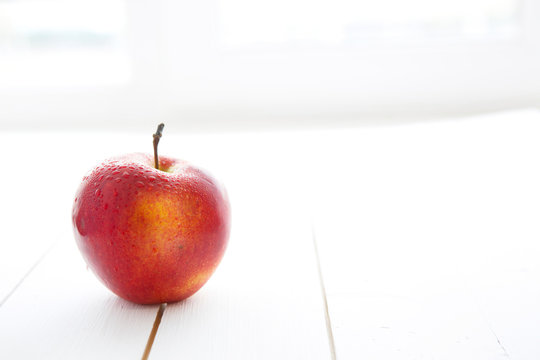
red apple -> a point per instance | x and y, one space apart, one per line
152 236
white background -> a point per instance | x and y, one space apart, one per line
215 65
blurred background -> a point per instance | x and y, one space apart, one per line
215 65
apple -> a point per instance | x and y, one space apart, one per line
153 229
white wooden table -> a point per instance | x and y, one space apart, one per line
418 241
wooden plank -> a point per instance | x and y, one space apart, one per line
412 224
421 327
61 311
264 302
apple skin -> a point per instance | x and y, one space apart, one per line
151 236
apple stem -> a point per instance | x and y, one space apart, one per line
157 136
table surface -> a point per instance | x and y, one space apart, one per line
417 241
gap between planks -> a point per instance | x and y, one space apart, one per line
153 333
328 322
25 276
323 293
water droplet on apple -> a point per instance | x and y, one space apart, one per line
139 184
152 178
116 172
109 177
98 192
125 174
117 180
81 226
100 178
